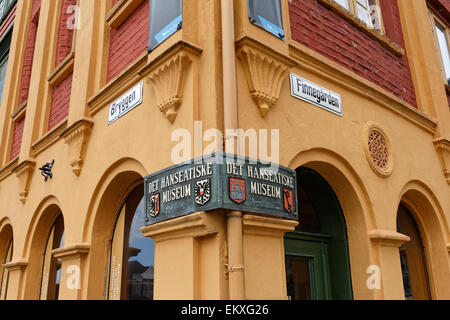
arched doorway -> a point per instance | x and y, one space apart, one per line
413 258
316 253
131 258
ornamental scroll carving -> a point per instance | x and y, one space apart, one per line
24 173
442 146
168 83
77 137
265 72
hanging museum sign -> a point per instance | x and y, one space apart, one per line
315 94
221 181
127 102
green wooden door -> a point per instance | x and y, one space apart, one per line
307 272
317 259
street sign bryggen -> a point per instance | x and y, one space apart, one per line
221 181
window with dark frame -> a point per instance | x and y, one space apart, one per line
4 54
165 19
131 256
267 14
51 266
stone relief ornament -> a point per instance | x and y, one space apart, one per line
378 149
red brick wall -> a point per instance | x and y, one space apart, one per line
65 35
60 102
333 36
128 41
29 52
17 138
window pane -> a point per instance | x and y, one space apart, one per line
343 3
298 278
3 67
141 258
443 46
267 14
132 254
364 15
412 255
165 20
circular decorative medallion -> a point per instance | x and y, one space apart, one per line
378 149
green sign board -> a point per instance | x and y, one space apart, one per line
221 181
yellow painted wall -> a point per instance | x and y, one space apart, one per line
191 253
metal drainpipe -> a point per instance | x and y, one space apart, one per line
234 218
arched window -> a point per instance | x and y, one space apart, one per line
4 272
412 258
51 266
132 255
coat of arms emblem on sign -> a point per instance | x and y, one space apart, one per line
154 205
202 192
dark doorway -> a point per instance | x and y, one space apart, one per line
317 259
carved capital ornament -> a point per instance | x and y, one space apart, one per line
265 71
168 81
76 137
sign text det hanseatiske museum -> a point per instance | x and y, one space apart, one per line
221 181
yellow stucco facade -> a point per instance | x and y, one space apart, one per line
97 165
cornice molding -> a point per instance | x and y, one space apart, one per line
71 252
388 238
121 11
194 225
7 170
265 70
76 136
20 111
64 69
261 225
48 139
15 265
117 86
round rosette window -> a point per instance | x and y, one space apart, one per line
378 149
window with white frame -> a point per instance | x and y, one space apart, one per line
442 40
367 11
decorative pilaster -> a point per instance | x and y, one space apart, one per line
265 234
72 270
24 172
265 71
387 243
168 83
16 272
180 243
76 137
443 149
